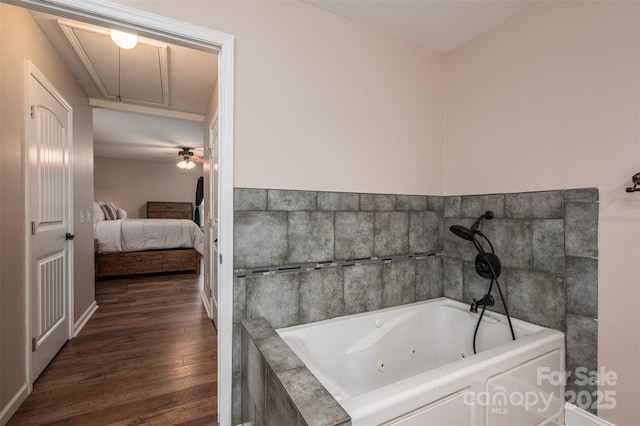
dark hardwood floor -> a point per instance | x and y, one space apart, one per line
147 356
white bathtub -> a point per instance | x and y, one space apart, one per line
414 365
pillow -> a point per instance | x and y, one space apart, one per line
98 214
122 214
110 211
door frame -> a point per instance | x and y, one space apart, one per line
33 72
160 27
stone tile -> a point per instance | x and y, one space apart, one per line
454 246
474 206
321 295
453 278
548 245
398 283
391 233
278 354
275 298
435 203
258 328
236 347
584 195
411 202
377 202
582 286
534 205
362 288
424 232
310 237
582 344
512 240
249 199
316 405
248 406
338 201
236 396
259 239
239 299
279 408
453 206
255 374
429 278
475 287
537 298
292 200
354 235
581 229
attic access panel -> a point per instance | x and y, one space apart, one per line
136 75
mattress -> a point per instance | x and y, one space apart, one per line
126 235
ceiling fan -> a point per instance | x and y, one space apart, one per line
188 159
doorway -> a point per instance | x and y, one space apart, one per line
162 28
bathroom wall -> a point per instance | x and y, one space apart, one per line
550 99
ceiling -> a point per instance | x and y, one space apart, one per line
440 25
149 100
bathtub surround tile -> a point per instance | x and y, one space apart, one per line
354 235
255 372
362 288
453 278
429 278
258 328
585 195
278 354
534 205
275 298
311 237
321 296
236 347
582 286
279 408
249 199
581 340
452 207
512 241
236 403
377 202
398 283
581 229
292 200
548 246
424 232
537 297
260 238
435 203
316 405
338 201
239 299
391 233
474 206
411 202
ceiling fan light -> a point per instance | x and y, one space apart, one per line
123 40
186 164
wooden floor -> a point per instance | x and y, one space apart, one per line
147 356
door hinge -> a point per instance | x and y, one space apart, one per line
33 344
33 228
33 111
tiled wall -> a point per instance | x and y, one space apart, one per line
547 242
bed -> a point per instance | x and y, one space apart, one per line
167 241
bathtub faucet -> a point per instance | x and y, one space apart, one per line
486 300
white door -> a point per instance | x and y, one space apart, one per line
213 220
48 186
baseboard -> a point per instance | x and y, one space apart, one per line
84 318
205 302
576 416
13 405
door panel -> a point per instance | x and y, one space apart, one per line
49 148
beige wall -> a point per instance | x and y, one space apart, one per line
323 103
131 183
550 100
22 40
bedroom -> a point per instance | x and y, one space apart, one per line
174 185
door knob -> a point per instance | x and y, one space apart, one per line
69 236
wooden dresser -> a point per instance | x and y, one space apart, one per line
169 210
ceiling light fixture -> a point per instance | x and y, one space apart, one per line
186 163
123 40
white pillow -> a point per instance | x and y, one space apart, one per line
98 214
122 214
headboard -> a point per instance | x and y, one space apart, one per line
169 210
